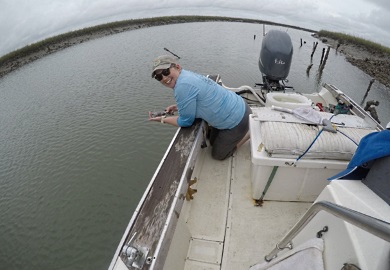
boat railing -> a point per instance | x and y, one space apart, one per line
370 224
356 108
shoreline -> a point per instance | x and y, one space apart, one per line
375 64
50 48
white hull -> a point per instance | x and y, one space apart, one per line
221 228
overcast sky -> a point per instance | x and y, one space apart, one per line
25 21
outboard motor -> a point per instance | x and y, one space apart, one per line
275 59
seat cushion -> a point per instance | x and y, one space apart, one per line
291 140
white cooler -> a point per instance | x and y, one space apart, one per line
301 180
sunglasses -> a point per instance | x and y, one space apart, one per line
164 72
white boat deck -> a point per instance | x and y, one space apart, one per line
221 228
222 217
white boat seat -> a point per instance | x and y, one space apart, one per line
290 140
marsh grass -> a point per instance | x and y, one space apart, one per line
116 27
61 41
349 39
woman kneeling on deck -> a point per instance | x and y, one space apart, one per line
197 96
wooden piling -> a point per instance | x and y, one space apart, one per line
325 58
373 113
371 103
368 90
314 49
322 56
369 85
308 69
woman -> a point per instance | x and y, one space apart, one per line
197 96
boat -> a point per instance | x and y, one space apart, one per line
271 205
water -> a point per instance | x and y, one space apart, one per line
77 151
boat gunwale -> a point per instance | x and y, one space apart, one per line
140 203
174 206
178 201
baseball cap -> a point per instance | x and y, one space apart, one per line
163 62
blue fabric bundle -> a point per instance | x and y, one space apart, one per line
372 146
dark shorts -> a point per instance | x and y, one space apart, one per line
224 141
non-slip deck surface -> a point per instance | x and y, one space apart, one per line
229 220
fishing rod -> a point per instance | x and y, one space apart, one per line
178 57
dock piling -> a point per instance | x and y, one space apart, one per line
314 49
368 90
322 65
322 56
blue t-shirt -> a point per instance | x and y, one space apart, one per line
199 97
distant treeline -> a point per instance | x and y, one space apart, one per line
348 39
120 26
114 26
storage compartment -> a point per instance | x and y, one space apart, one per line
293 181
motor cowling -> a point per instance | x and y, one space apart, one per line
276 55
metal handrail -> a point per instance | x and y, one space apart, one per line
370 224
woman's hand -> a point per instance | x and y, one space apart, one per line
157 118
171 109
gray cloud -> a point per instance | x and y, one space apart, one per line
380 3
23 21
